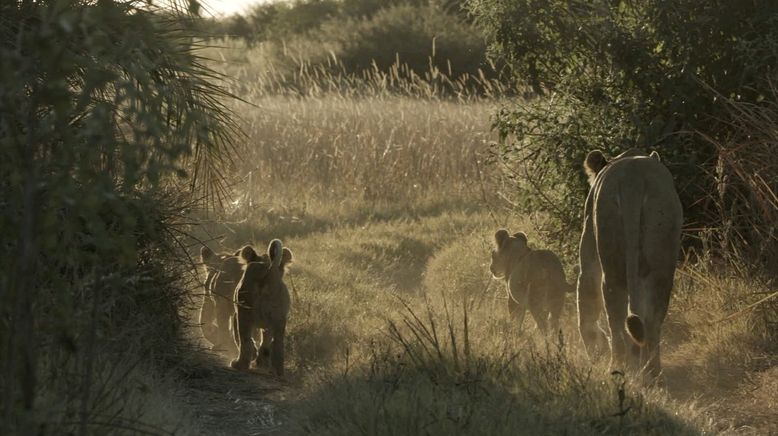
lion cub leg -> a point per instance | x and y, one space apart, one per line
555 303
516 311
245 339
263 356
224 312
277 346
537 307
207 316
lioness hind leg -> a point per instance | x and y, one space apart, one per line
590 304
589 293
616 309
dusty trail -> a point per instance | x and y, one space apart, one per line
748 407
229 402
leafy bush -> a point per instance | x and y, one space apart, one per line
745 174
618 74
104 110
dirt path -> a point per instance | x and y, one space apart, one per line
229 402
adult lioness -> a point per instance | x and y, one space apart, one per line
535 280
629 248
223 271
262 302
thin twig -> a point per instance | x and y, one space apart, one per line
745 309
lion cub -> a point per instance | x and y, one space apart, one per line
535 279
262 302
223 271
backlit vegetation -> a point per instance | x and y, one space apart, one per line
390 206
388 182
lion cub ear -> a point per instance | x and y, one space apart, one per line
520 238
248 255
654 155
206 254
500 237
521 235
287 256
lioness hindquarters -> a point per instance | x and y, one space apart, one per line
262 302
632 226
649 295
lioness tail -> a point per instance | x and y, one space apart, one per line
631 216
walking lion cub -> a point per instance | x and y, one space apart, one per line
535 280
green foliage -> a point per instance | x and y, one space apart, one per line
618 74
275 21
105 109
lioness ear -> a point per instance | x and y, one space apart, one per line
248 255
500 237
594 162
655 156
205 254
287 256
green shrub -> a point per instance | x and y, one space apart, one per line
618 74
104 109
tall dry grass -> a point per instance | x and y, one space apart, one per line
377 136
375 147
263 69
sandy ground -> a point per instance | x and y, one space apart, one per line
229 402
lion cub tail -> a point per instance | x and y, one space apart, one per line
276 252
